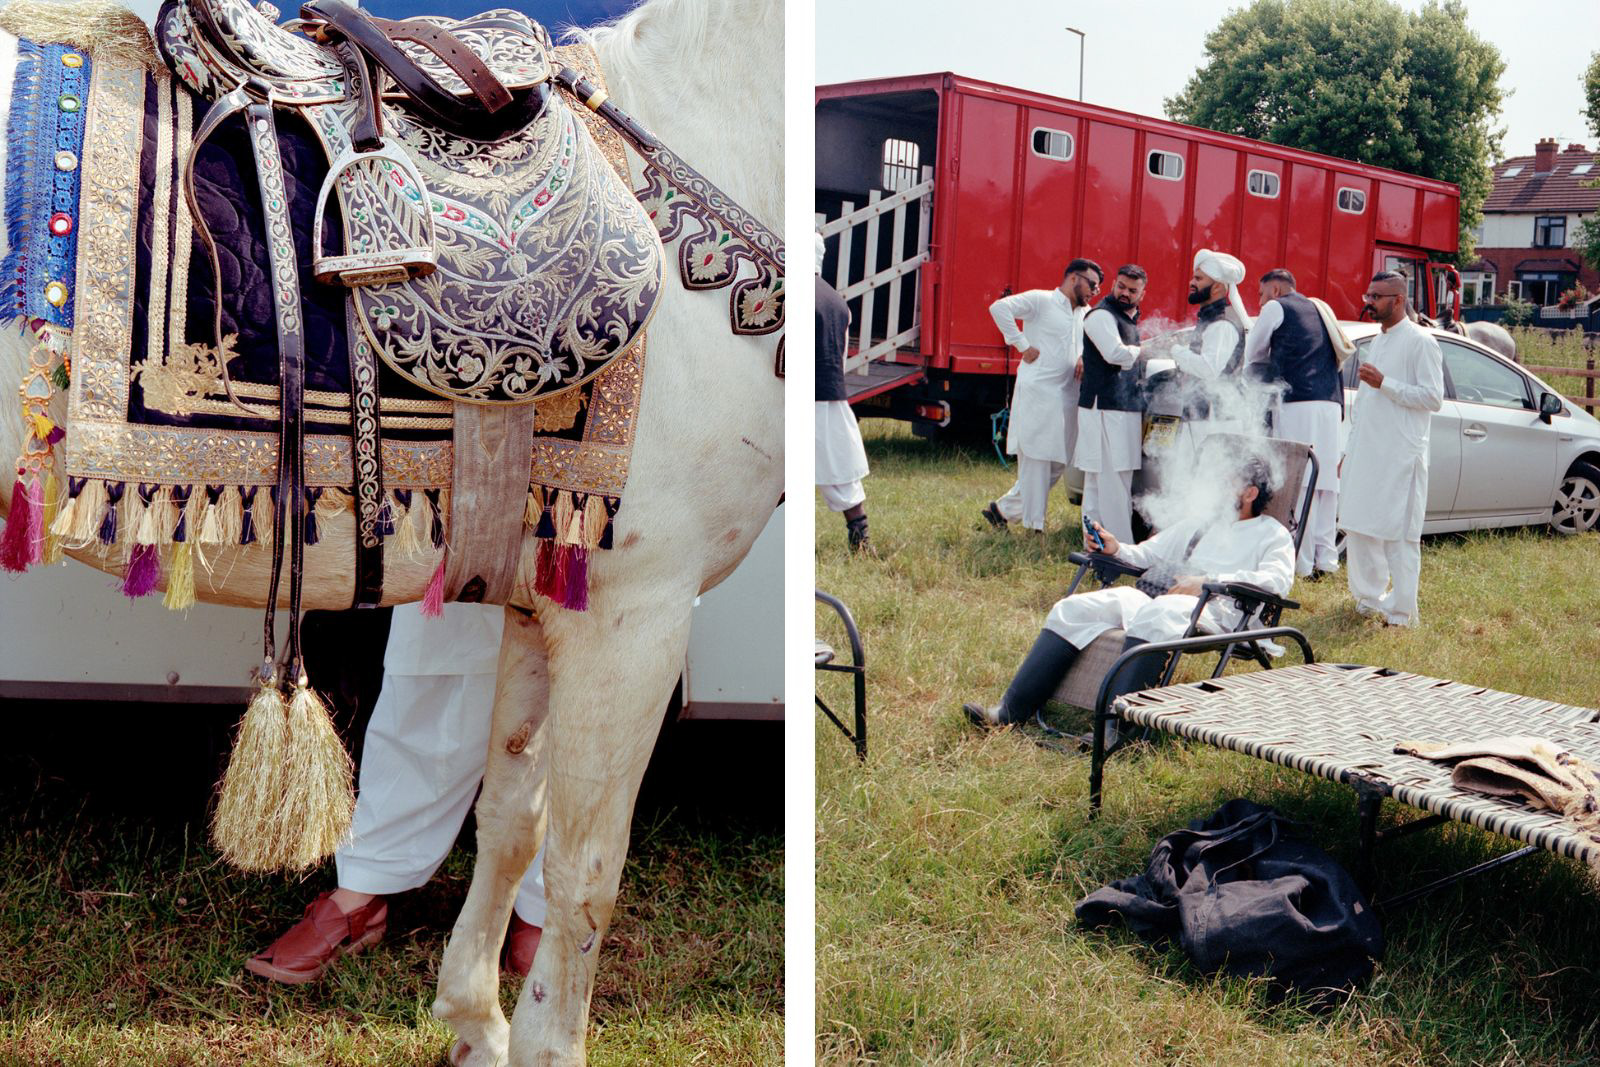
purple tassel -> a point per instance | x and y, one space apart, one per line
312 534
561 573
180 499
247 528
144 571
55 436
576 595
108 524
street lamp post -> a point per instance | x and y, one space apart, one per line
1081 36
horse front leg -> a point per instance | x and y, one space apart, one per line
511 818
611 677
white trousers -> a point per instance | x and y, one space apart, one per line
1079 619
1109 498
1026 499
843 497
424 756
1318 549
1372 565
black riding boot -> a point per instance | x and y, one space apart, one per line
1140 674
1046 663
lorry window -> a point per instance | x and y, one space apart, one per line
1168 165
1352 200
900 161
1052 144
1263 183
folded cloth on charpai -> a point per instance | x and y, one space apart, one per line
1531 769
1244 894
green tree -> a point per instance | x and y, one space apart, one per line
1359 79
1591 94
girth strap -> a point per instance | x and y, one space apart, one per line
493 452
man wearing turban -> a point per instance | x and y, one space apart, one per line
1214 400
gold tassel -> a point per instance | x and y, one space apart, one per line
152 522
91 508
191 512
52 508
534 507
133 512
180 578
563 516
249 824
104 29
210 532
261 515
231 518
405 530
333 502
320 795
594 521
66 516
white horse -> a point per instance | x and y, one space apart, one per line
580 695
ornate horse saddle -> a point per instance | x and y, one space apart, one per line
494 262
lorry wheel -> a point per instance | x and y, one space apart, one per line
1577 505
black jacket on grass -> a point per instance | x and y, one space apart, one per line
1243 894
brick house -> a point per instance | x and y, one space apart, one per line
1529 222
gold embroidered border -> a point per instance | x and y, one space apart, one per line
160 231
108 214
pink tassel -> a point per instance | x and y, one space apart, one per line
15 551
433 599
35 523
144 570
561 573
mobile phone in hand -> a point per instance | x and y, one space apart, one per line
1091 535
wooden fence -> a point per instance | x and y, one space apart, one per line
1587 373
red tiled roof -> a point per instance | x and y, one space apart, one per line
1560 191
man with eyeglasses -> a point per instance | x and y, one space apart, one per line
1384 473
1043 428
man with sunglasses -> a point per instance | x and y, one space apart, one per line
1384 473
1043 428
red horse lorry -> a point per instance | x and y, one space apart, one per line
937 194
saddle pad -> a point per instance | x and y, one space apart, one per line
155 453
512 46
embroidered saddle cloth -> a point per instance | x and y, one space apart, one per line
106 268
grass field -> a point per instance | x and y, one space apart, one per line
122 937
948 865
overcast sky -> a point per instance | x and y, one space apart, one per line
1139 52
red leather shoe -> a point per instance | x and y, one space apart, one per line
521 945
317 941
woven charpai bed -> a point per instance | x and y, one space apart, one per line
1342 723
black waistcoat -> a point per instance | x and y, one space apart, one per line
833 327
1221 309
1302 357
1105 385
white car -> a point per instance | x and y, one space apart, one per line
1504 449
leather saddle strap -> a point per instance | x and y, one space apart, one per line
470 118
763 242
453 54
493 450
289 506
367 456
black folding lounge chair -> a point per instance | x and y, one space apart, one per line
857 667
1082 687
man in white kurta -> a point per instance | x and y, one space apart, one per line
423 758
1385 466
1110 418
1244 546
1216 400
1044 402
1289 346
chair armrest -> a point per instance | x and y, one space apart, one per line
1248 591
1104 562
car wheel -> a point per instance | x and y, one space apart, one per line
1577 506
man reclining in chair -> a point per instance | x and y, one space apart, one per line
1246 546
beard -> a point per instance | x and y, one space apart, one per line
1199 296
1127 307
